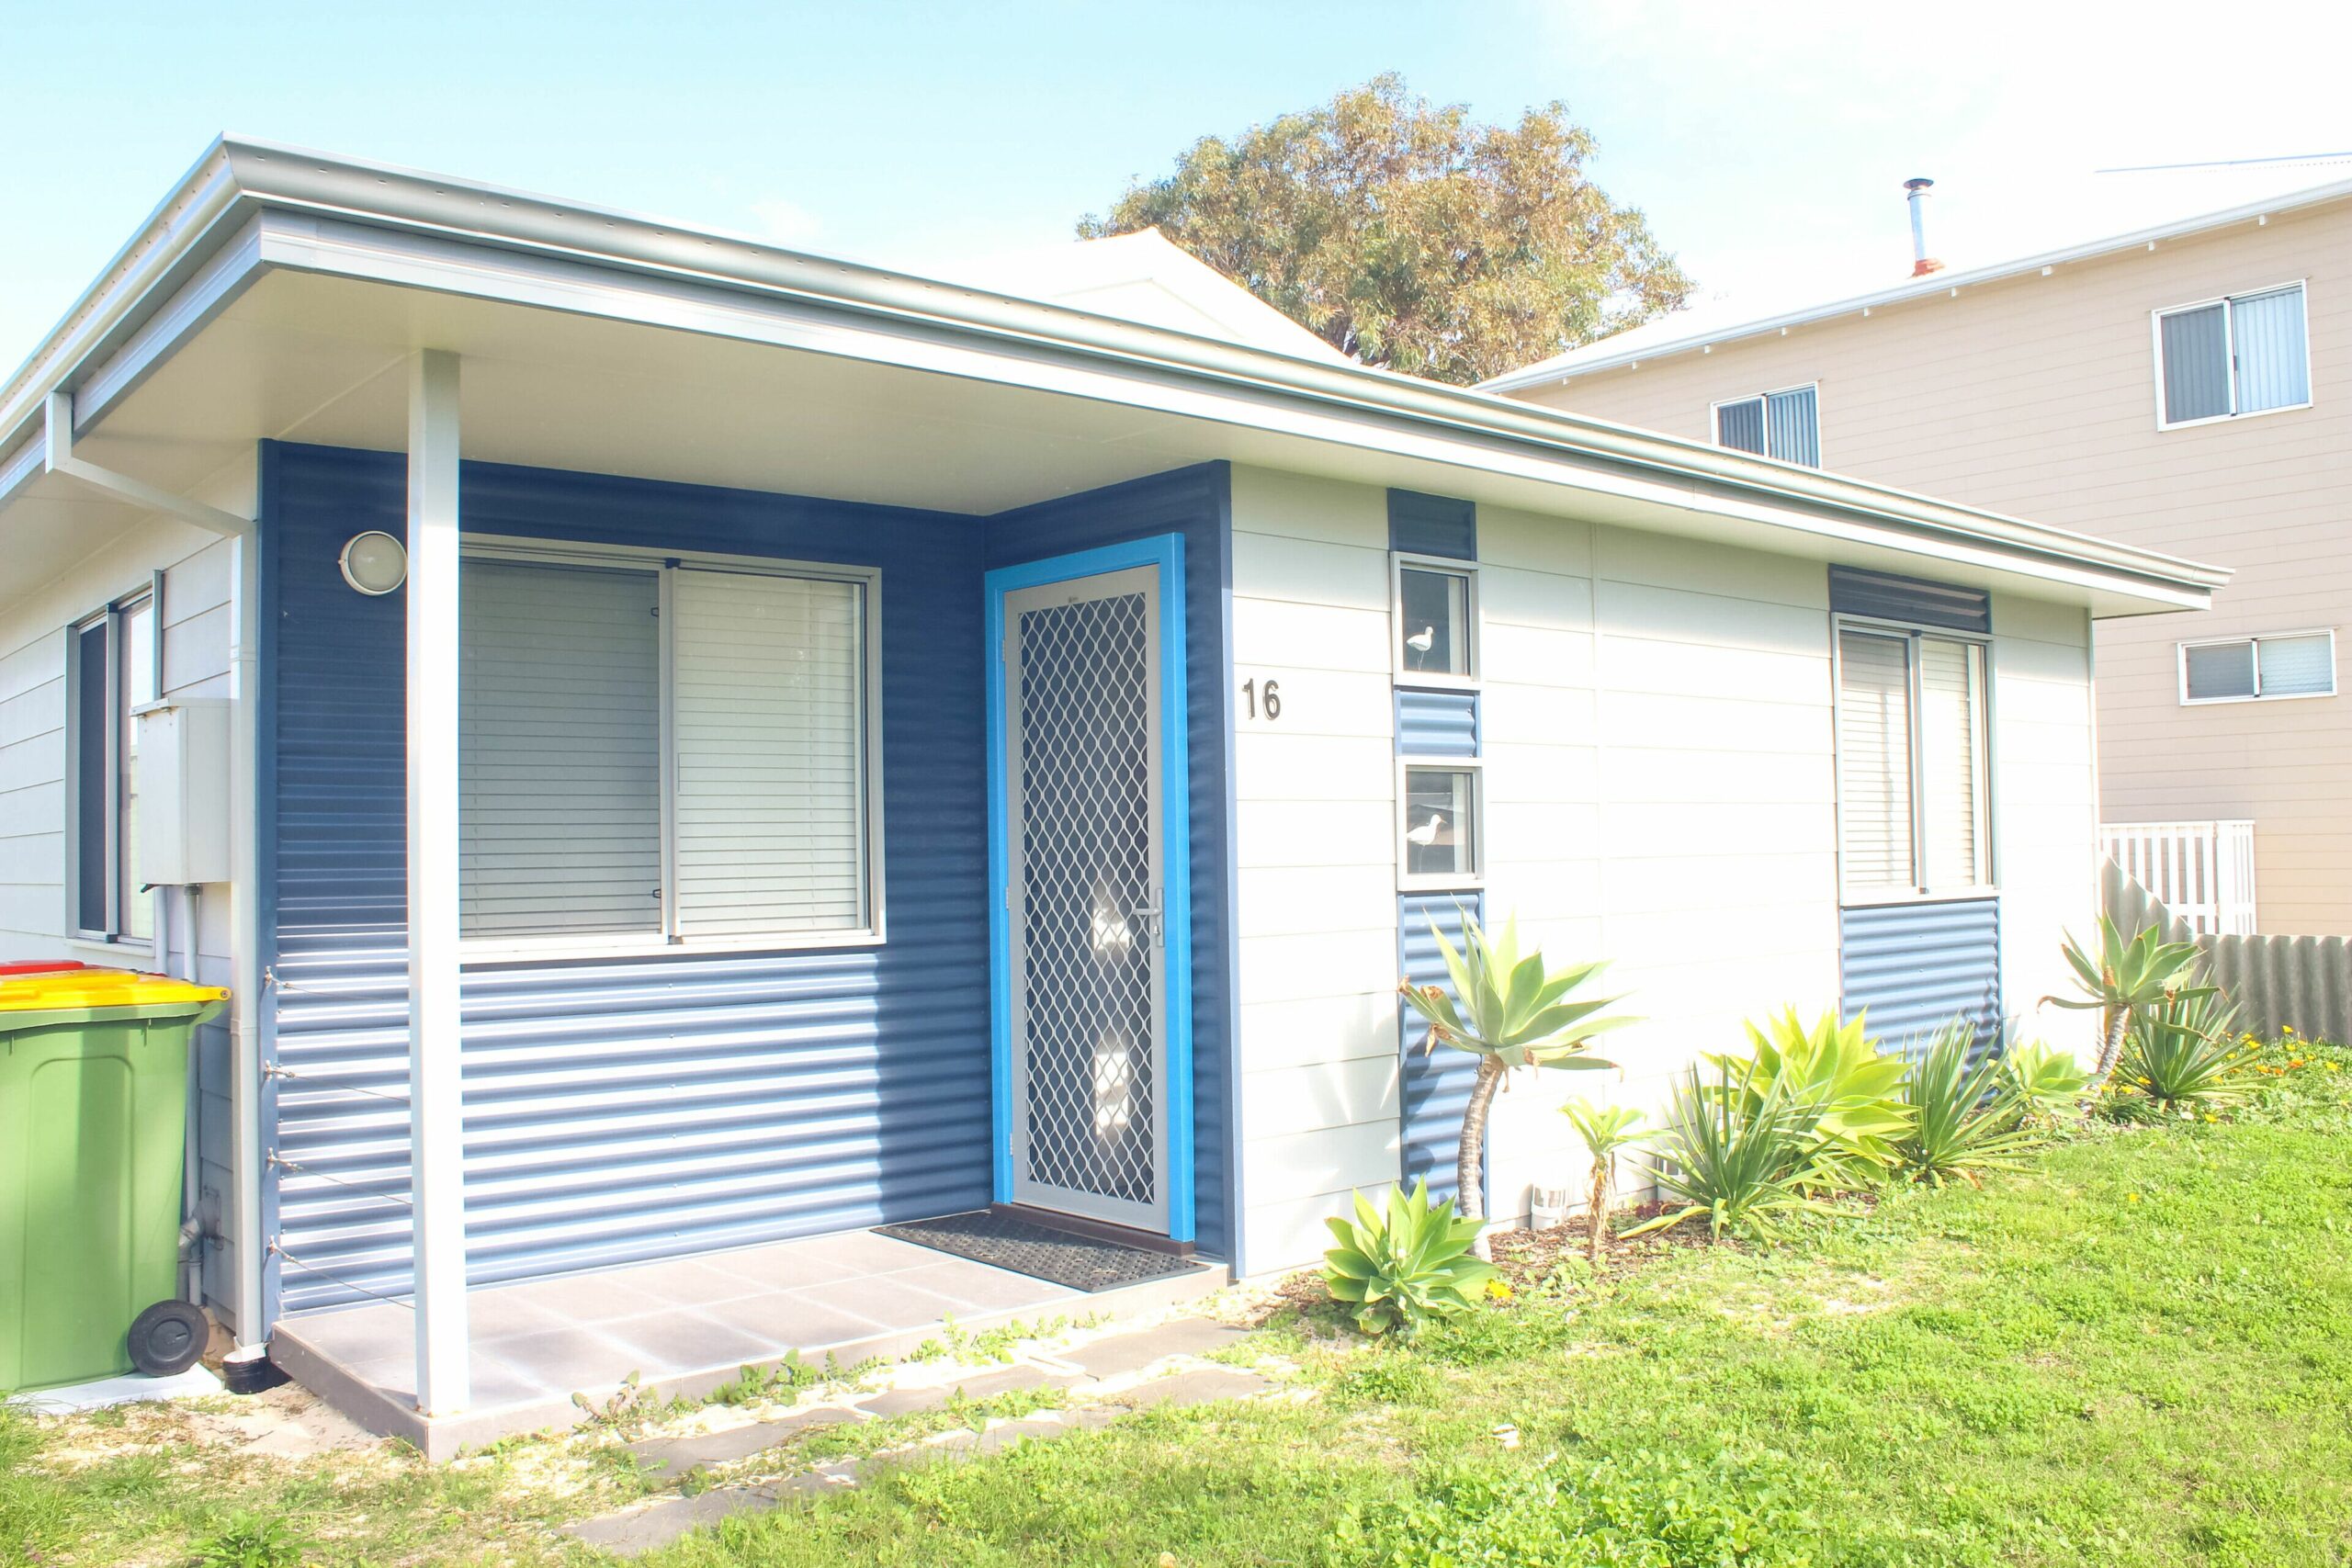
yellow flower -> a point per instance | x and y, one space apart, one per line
1499 1290
2131 1197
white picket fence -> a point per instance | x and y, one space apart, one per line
2204 872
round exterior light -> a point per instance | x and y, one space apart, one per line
375 563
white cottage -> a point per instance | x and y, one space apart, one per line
720 750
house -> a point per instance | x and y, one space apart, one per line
2184 386
712 750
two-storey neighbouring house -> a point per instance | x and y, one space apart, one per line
2186 388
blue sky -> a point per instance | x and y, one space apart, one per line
1768 151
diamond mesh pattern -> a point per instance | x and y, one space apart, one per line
1085 831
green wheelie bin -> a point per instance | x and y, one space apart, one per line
92 1119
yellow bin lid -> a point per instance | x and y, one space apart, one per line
68 989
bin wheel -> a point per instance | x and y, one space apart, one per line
166 1338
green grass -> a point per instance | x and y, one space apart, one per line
2137 1353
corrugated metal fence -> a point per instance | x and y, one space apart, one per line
2305 981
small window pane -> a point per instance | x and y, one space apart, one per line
1795 432
1441 822
1436 609
1952 697
1874 760
2296 666
138 681
2266 332
2196 363
93 784
1740 426
2220 670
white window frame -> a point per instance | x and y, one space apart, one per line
2230 341
1989 812
2255 641
112 936
874 930
1399 563
1425 882
1716 424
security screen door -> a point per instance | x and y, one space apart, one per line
1084 894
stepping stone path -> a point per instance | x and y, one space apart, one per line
1117 1357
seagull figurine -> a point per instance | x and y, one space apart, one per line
1426 834
1420 642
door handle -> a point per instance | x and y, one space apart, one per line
1151 916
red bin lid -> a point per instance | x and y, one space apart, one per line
41 966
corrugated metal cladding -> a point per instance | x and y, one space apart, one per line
621 1109
1197 504
1432 525
1914 967
1434 1086
1436 724
1856 591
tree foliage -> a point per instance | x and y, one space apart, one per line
1407 235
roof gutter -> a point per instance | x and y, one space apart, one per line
237 178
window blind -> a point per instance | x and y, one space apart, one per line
768 686
1794 428
1952 682
1740 426
2266 332
1874 760
2197 363
2297 666
559 740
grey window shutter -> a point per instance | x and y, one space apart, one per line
2196 363
1740 426
1794 427
559 741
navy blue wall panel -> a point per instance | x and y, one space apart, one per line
621 1109
1432 525
1197 504
1854 591
1917 966
1434 1086
1436 724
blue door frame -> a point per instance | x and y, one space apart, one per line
1165 551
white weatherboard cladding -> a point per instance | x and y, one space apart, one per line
771 794
199 628
2045 805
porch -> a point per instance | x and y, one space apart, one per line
684 1326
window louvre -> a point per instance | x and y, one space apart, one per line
560 751
1874 760
771 785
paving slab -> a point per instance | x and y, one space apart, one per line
663 1456
1132 1352
906 1401
642 1530
1195 1388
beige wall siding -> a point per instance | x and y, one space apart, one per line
2036 396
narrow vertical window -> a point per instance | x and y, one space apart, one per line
1435 638
1874 760
135 688
94 683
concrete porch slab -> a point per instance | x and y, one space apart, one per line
685 1326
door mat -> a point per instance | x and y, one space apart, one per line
1079 1263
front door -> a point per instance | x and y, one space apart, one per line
1085 864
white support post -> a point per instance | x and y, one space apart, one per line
436 1109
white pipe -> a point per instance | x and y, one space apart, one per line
244 940
191 1166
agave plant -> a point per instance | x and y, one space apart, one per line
1747 1164
1844 1095
1964 1122
2124 979
2184 1052
1401 1266
1508 1011
1606 1131
2040 1081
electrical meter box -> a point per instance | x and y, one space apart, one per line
183 792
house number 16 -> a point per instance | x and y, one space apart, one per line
1273 695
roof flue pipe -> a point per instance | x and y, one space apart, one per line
1922 263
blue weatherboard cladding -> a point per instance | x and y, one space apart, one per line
1887 597
1432 525
620 1108
1197 504
1434 1086
1436 724
1916 966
